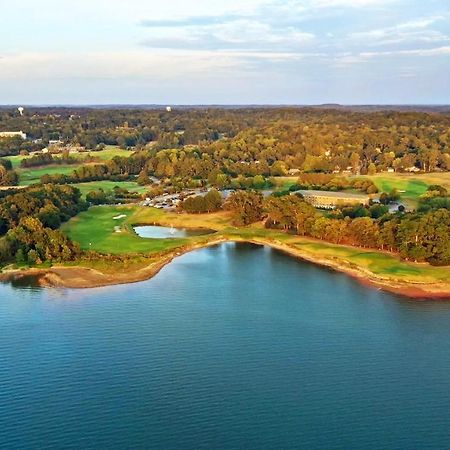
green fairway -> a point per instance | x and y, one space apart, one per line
33 175
410 189
16 160
109 152
410 186
383 264
284 183
95 229
108 186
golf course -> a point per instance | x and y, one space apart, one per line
109 230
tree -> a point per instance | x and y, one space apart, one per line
364 232
213 200
97 197
20 257
355 162
143 179
33 257
247 207
289 212
372 169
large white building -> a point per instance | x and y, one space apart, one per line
330 200
10 134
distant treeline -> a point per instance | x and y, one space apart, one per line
45 159
249 141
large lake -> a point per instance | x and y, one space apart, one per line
234 346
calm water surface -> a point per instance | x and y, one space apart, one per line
233 346
158 232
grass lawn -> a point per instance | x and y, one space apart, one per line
109 152
284 183
413 185
379 263
16 160
33 175
109 185
94 229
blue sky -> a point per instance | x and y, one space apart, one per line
225 51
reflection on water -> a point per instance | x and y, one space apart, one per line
25 282
158 232
234 346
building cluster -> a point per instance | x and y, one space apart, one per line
330 200
10 134
171 201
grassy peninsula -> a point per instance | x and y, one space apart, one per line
109 229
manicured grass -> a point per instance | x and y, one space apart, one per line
379 263
413 185
16 160
109 185
94 230
109 152
413 188
33 175
284 183
214 221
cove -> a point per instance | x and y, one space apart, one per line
232 346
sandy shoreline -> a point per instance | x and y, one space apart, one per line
82 277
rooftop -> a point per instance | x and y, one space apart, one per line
339 194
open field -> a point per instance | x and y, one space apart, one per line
109 185
284 183
413 185
16 160
109 152
33 174
94 229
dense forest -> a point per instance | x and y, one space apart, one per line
259 139
242 149
29 220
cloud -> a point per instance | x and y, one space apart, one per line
410 31
239 35
225 33
344 60
438 51
349 3
112 65
190 21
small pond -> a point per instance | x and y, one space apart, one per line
159 232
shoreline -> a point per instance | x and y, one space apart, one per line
79 277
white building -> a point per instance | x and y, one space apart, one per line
330 200
10 134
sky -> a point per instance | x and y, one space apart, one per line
224 52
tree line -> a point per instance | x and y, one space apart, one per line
419 236
29 220
248 141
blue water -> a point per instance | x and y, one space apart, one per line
159 232
233 346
